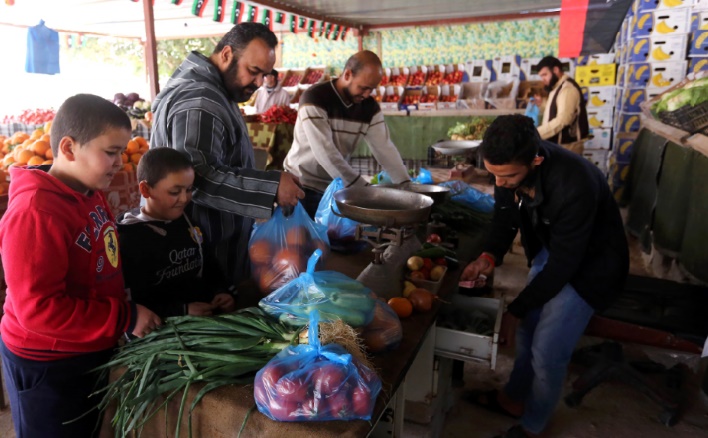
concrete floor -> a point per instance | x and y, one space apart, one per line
613 410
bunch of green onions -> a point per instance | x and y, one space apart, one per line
220 350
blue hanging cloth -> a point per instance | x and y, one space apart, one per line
42 50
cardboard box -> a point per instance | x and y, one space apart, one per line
638 50
600 118
597 59
436 73
600 97
313 75
624 142
472 95
525 92
529 69
638 75
398 76
454 74
507 68
596 75
697 63
668 48
665 74
699 21
419 74
123 193
642 24
621 75
619 102
619 172
392 91
601 138
650 5
629 122
700 5
449 91
378 93
632 98
699 44
598 157
417 93
661 22
502 94
479 71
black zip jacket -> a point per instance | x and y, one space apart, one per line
573 215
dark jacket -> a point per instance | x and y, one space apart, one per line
573 215
164 265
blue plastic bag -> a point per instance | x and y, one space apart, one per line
334 295
316 383
340 230
424 177
385 332
468 196
532 111
279 247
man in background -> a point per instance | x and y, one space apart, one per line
271 93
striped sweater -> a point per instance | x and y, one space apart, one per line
328 130
195 115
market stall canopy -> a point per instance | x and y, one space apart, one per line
124 18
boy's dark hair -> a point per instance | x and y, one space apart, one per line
550 62
157 163
84 117
243 33
510 139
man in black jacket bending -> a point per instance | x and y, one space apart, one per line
575 242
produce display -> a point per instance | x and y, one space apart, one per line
472 130
691 94
398 80
334 295
453 78
278 114
221 350
313 77
428 98
416 79
279 248
434 78
316 383
384 81
26 149
135 106
391 98
384 332
452 98
410 99
292 80
36 116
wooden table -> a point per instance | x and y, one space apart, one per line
221 413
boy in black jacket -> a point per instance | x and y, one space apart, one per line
575 242
163 258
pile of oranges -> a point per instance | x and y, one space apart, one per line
134 152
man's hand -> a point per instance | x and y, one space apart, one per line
200 309
289 190
472 272
224 302
145 322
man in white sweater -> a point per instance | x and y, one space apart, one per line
271 94
333 117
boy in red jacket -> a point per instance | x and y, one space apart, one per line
66 305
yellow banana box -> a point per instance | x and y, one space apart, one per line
619 172
621 75
596 75
600 117
624 142
638 50
661 22
668 48
699 44
650 5
599 97
600 138
699 21
638 74
698 63
631 98
666 74
629 122
596 59
598 157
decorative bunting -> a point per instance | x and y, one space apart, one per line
219 11
322 28
253 14
267 19
280 17
175 2
311 29
328 32
337 28
198 7
12 2
237 12
293 23
302 22
344 33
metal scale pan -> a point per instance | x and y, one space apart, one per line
383 206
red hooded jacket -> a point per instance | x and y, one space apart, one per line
65 290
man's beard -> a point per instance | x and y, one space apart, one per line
230 79
531 177
554 81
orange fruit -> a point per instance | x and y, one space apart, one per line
37 133
24 156
35 161
124 157
45 137
142 142
135 158
49 154
132 147
402 306
20 137
27 142
48 126
128 167
50 162
9 159
40 147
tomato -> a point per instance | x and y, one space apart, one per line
328 378
427 263
339 406
361 401
284 410
260 394
271 375
293 388
440 261
434 238
426 273
313 408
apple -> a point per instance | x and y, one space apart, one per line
417 275
415 263
434 238
437 273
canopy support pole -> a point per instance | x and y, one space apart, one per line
151 49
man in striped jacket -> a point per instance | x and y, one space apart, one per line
332 118
196 114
